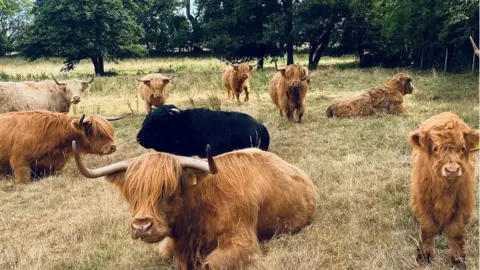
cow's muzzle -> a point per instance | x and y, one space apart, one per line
451 171
75 99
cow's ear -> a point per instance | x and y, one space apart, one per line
166 81
421 140
85 85
235 67
84 123
472 139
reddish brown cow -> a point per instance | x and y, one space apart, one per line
211 214
443 181
288 90
152 88
39 142
235 79
382 98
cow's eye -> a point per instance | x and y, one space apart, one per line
464 150
435 149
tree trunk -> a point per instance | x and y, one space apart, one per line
288 10
98 65
195 28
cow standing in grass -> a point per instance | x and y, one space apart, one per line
288 90
211 214
383 98
38 143
53 95
152 88
187 132
443 182
235 79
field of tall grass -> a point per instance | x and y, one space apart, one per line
361 169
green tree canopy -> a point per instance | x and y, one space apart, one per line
14 15
87 29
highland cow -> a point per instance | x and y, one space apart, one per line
38 143
187 132
152 88
288 90
443 182
386 98
235 79
53 95
211 214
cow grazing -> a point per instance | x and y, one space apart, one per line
443 181
235 79
288 90
386 97
187 132
211 213
39 142
53 95
152 88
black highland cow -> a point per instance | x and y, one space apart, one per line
187 132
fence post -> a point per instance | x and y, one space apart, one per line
446 59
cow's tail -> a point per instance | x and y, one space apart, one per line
330 111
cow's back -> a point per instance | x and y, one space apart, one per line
27 96
275 88
281 197
227 75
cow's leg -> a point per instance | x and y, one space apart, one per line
237 95
234 254
300 112
289 114
166 248
228 94
246 93
428 232
281 113
21 169
455 232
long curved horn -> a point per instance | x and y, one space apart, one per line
208 166
91 80
81 119
305 74
475 48
59 84
95 173
171 78
113 118
175 111
144 81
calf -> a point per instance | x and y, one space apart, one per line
152 88
443 182
235 79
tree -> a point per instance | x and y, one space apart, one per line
319 23
87 29
14 15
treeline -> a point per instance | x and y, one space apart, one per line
417 33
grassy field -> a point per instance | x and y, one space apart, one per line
360 167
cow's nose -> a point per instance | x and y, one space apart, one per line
453 169
141 225
156 95
113 148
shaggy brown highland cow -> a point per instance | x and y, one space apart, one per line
443 182
152 88
288 90
235 79
386 97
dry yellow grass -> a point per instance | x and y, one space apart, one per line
359 166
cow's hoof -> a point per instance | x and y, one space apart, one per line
423 257
459 263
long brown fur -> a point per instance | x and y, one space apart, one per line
217 221
235 79
43 95
382 98
154 92
441 203
39 142
285 95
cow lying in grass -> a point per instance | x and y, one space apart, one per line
386 98
443 182
211 213
187 132
38 143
